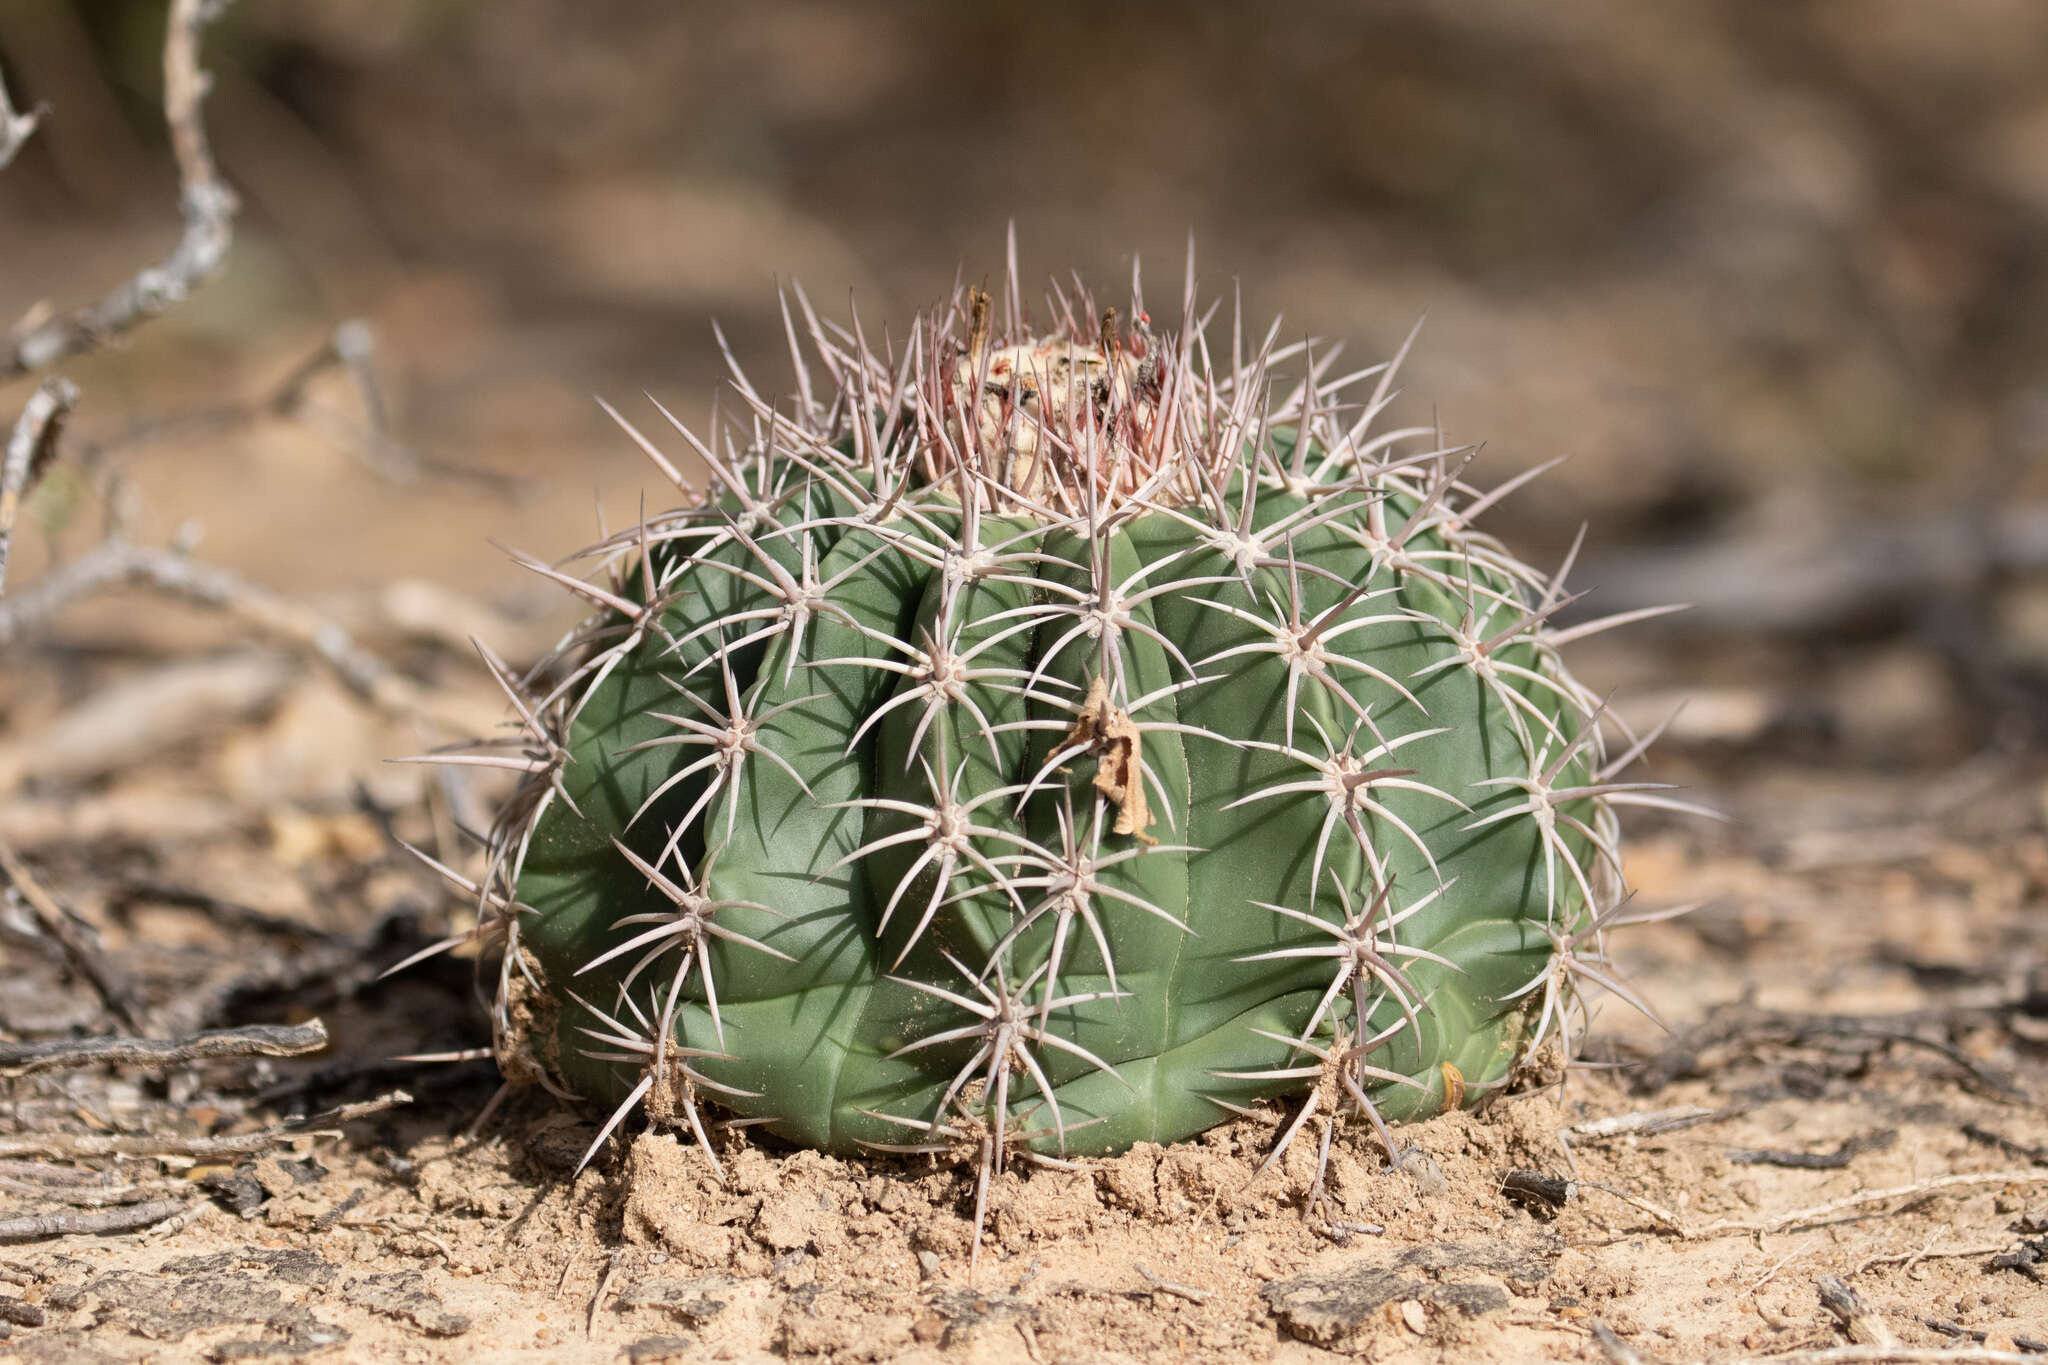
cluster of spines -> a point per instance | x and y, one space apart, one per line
886 456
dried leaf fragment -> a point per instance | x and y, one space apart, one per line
1112 736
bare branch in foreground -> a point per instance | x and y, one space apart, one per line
85 1196
207 203
118 562
30 450
254 1040
15 127
115 991
75 1145
133 1218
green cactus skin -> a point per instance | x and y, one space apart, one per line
1049 744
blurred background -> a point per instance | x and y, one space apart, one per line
1772 279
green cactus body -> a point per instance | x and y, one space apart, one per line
1044 746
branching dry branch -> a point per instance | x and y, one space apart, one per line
132 1218
206 202
369 437
29 452
15 126
1929 1252
254 1040
209 207
76 1145
353 346
117 562
115 990
110 1195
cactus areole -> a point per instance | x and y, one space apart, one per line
1036 738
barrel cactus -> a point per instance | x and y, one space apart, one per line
1038 739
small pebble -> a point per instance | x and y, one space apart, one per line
1421 1168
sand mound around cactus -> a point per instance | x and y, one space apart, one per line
1126 1254
1182 1252
878 1218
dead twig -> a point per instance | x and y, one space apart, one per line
1783 1261
324 1124
31 447
1892 1355
1690 1052
1962 1333
1538 1191
42 1227
1930 1252
1617 1351
1818 1212
1640 1123
113 986
122 1195
1669 1220
1180 1291
207 204
254 1040
604 1287
1862 1325
1833 1160
326 1221
2026 1259
1917 1190
178 1222
352 347
60 1176
2034 1152
118 562
1644 1123
15 126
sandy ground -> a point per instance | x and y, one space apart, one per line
1861 1007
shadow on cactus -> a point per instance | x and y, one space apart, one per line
1048 736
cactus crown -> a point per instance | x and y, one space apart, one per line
1036 741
